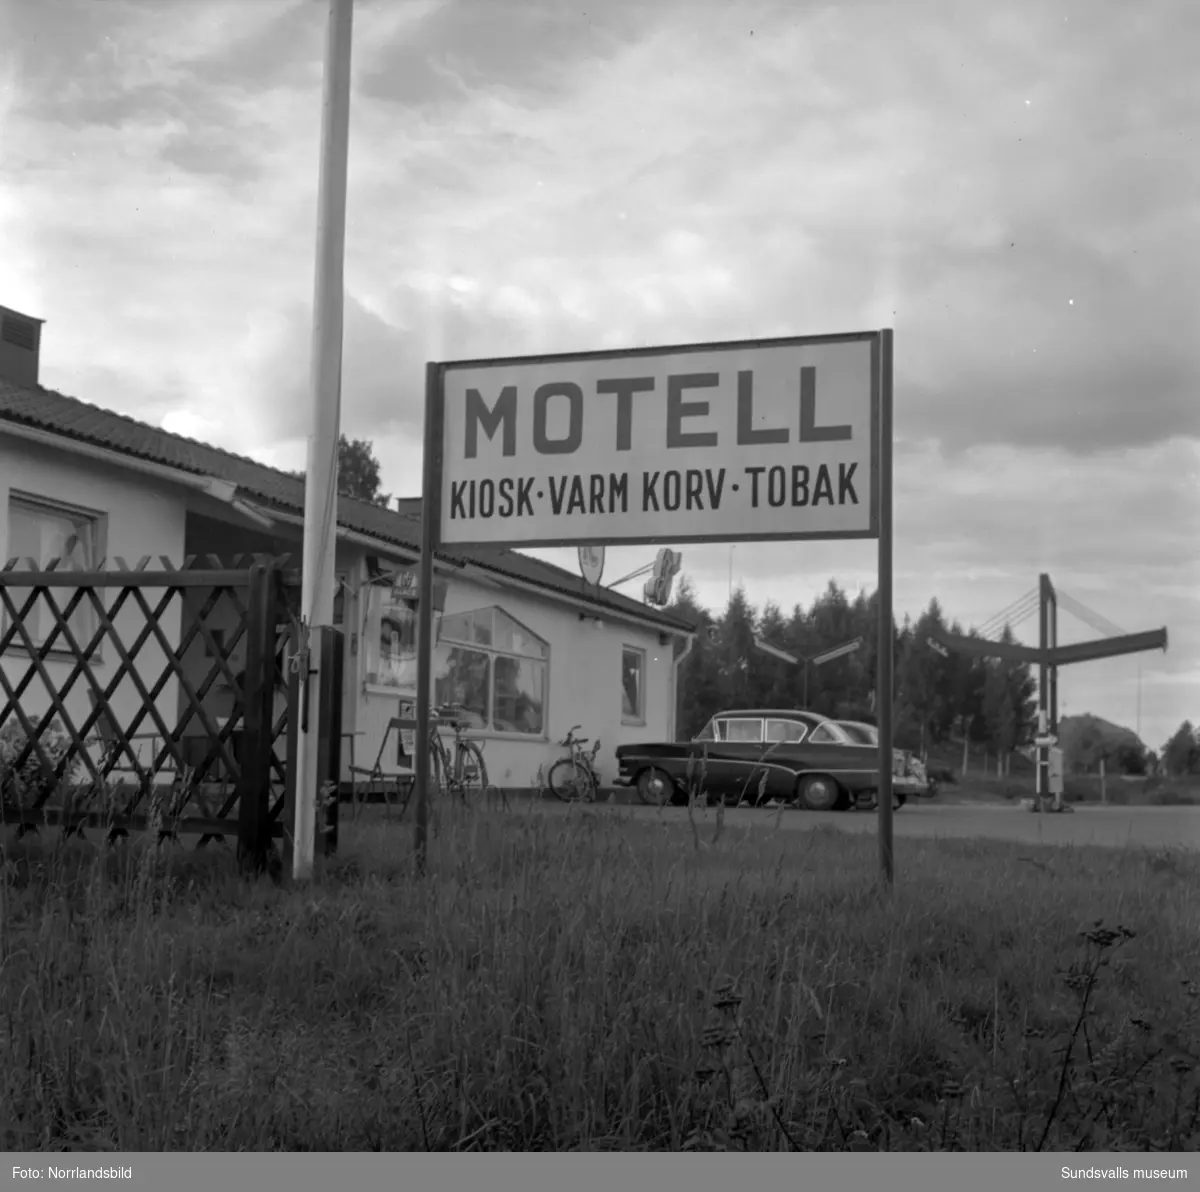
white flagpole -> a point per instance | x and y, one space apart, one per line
320 490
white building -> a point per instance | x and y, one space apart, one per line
527 646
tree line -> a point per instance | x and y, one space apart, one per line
1181 754
983 703
358 472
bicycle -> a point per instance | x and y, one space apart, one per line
577 780
464 772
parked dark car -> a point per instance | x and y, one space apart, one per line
759 756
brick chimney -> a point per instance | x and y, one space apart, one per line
20 344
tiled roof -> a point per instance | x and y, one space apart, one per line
56 413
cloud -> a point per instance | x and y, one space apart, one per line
380 374
457 49
384 355
1029 275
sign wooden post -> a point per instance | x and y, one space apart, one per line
887 642
431 468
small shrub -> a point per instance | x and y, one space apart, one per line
28 783
943 774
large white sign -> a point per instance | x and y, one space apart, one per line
724 442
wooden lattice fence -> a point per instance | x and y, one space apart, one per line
201 777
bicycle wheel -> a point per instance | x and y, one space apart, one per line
472 776
571 781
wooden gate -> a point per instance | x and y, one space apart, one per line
78 766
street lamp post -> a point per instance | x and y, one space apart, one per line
812 659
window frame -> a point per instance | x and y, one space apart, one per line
444 644
380 600
96 521
798 724
638 719
725 721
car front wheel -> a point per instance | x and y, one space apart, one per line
655 787
818 792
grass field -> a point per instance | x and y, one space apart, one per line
589 982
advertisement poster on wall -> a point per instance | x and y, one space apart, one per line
391 633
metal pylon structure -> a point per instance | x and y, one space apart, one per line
1048 655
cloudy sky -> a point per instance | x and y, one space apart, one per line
1015 189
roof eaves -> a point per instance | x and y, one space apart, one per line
361 517
613 601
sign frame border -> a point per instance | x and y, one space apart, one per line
435 417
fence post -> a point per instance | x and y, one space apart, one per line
295 693
254 782
329 733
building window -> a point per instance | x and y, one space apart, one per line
44 531
391 637
495 668
389 627
633 686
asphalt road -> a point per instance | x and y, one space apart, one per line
1114 827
